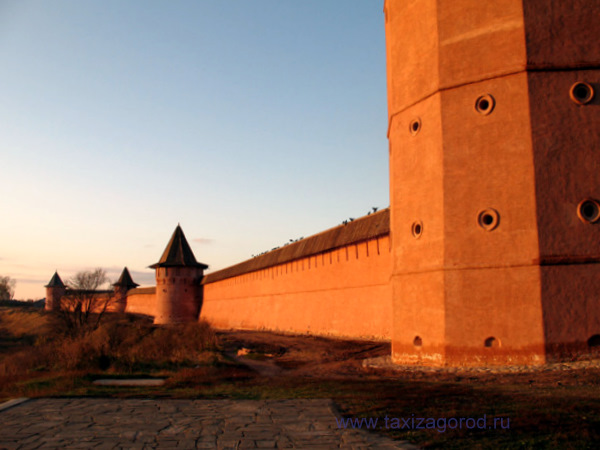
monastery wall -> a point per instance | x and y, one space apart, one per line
340 292
141 301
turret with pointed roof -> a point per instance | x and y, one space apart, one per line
178 278
178 253
55 290
125 280
124 284
55 281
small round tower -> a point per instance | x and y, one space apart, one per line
178 277
55 290
122 286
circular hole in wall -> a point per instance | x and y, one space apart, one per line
589 211
415 126
488 219
594 341
417 229
485 104
581 93
491 342
417 341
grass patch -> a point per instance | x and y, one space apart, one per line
21 326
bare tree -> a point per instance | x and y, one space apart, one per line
7 288
84 303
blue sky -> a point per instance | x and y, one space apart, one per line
248 122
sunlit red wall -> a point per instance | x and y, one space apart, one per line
344 292
141 301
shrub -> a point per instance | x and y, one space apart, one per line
124 343
163 347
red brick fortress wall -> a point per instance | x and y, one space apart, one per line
341 291
141 301
344 292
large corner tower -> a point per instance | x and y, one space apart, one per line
494 130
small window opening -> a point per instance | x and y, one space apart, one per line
415 126
594 341
491 342
488 219
484 105
581 93
589 211
417 229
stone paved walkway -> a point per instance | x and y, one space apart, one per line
207 424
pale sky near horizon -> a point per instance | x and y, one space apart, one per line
250 123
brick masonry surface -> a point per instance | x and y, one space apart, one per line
206 424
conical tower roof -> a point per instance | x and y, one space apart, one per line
178 253
125 280
55 281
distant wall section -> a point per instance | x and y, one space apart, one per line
141 301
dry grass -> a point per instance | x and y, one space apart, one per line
21 323
32 341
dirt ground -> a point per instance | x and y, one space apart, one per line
276 354
550 406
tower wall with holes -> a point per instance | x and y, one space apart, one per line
494 179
